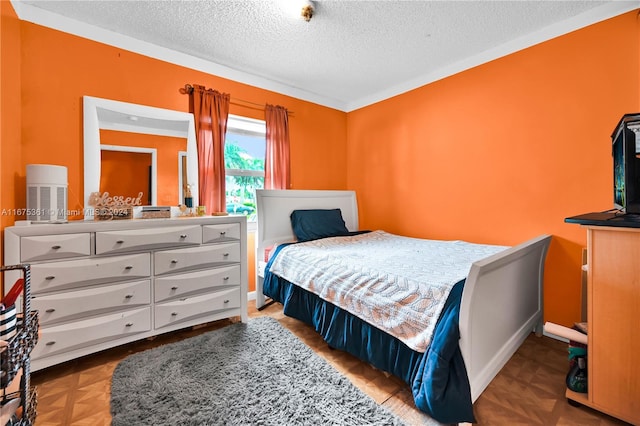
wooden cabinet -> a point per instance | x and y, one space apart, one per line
613 303
101 284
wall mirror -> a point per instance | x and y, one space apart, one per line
139 122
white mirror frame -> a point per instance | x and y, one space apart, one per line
107 114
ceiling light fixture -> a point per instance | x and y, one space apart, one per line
297 9
307 10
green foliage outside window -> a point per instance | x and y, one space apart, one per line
244 174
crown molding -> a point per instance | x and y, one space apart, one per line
595 15
48 19
45 18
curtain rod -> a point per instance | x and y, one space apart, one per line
188 89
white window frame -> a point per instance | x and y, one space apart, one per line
249 127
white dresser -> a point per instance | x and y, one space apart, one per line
101 284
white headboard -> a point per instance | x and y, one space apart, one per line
275 207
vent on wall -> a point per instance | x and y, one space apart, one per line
46 193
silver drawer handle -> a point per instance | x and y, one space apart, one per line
225 279
226 301
174 261
128 296
128 267
56 247
175 287
50 310
174 314
119 241
225 254
129 324
183 236
50 277
223 233
51 343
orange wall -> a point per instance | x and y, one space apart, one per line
504 151
498 153
10 115
58 69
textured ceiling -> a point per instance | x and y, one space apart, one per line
350 54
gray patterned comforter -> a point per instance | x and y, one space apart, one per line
397 284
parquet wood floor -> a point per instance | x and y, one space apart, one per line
528 391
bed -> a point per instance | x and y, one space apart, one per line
472 339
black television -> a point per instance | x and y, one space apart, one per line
626 165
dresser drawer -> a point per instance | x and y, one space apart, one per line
221 233
147 239
77 334
69 306
198 257
77 273
182 285
47 247
182 310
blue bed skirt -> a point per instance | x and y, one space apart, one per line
438 377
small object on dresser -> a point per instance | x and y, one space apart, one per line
117 207
188 198
113 213
156 212
184 211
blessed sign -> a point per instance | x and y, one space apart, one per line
107 207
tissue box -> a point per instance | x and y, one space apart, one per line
155 212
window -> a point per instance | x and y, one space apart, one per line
244 151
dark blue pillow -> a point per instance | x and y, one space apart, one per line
313 224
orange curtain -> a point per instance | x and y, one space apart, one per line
277 173
210 109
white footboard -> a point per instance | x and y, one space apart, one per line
501 305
